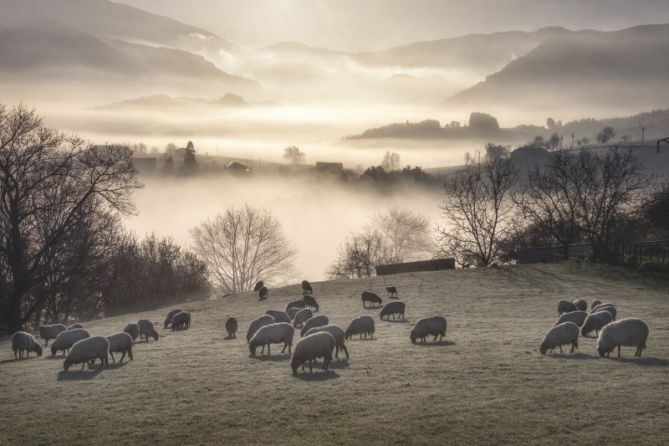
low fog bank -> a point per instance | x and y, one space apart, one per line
317 215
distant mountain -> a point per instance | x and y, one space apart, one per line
629 67
171 103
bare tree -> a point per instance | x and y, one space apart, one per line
391 161
294 154
243 246
478 208
360 255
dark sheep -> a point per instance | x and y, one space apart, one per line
181 321
393 308
310 302
581 304
564 306
259 285
307 288
263 293
371 298
392 291
170 315
296 304
231 326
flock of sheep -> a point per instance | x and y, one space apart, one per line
320 338
575 320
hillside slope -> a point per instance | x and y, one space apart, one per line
487 384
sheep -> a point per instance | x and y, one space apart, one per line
67 339
256 324
372 298
87 351
435 326
170 315
565 333
231 327
564 306
147 329
595 303
181 321
278 315
22 341
272 334
296 304
393 308
312 347
628 332
301 317
361 325
316 321
337 332
120 343
307 288
292 311
263 293
259 284
577 317
132 329
595 321
606 307
392 291
310 302
73 326
581 304
48 332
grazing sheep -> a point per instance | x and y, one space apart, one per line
301 317
361 325
147 329
371 298
231 326
24 342
577 317
565 333
87 351
256 324
316 321
606 307
73 326
259 284
310 302
132 329
595 303
564 306
306 287
595 321
170 315
581 304
628 332
337 332
272 334
67 339
278 315
393 308
48 332
313 347
429 326
292 311
181 321
392 291
296 304
263 293
120 343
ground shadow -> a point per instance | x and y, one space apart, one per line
78 374
396 321
361 340
281 357
52 357
576 355
442 343
7 361
646 362
118 365
318 375
343 364
229 338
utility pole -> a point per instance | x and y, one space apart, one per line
643 135
572 141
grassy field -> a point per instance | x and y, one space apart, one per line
486 384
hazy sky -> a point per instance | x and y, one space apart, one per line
374 24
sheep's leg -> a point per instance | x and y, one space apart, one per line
311 370
112 355
561 349
268 351
337 353
435 338
572 348
345 351
122 356
619 351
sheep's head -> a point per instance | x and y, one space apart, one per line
37 349
53 349
66 364
155 336
413 336
543 348
253 345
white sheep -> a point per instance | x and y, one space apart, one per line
393 308
181 321
87 351
577 317
170 315
595 321
316 321
564 306
429 326
361 325
147 329
48 332
337 332
25 342
313 347
67 339
278 315
301 317
133 330
263 320
120 343
628 332
272 334
565 333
